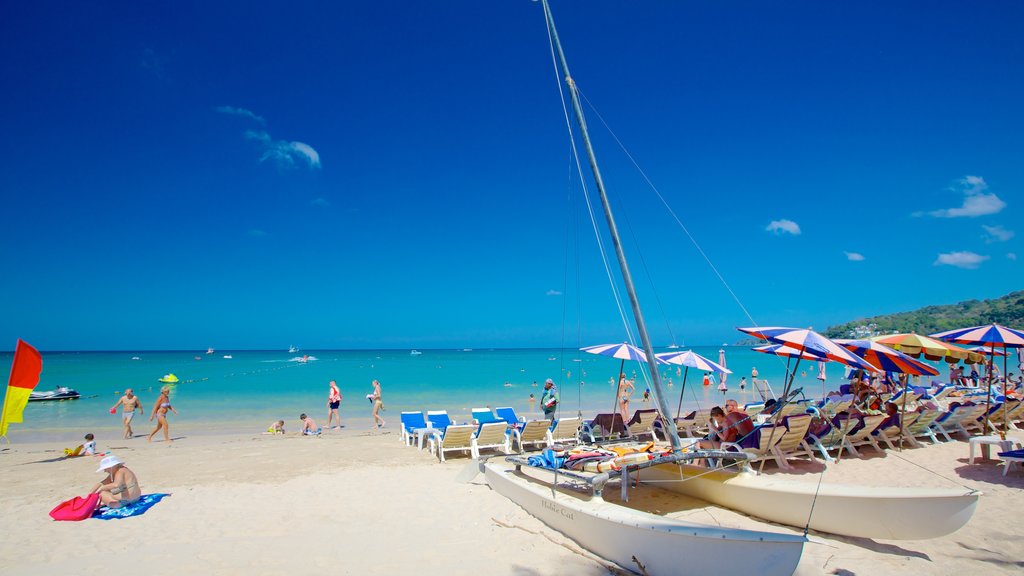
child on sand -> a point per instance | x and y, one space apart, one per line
275 428
309 427
87 449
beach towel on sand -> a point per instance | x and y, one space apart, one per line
78 508
134 509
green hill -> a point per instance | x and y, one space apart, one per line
1006 310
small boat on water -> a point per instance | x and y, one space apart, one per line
228 356
209 350
168 379
415 352
292 349
136 358
61 393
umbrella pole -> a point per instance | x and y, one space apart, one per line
988 396
903 411
682 389
1006 382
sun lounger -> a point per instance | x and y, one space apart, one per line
642 423
607 426
769 436
565 430
532 432
694 425
1002 413
455 437
798 407
410 422
833 439
923 426
508 414
484 416
437 422
792 442
490 435
863 436
892 433
952 420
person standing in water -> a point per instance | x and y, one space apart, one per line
163 404
333 402
624 393
378 405
129 404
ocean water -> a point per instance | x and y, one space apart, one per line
253 388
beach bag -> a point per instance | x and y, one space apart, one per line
78 508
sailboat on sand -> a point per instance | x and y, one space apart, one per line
579 505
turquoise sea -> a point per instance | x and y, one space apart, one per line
253 388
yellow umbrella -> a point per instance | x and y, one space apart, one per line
915 345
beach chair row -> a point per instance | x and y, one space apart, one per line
501 430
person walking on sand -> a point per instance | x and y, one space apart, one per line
378 405
333 402
129 404
163 404
549 399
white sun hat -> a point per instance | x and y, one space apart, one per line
109 462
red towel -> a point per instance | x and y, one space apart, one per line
77 508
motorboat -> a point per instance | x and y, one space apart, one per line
415 353
228 356
292 349
168 379
209 350
61 393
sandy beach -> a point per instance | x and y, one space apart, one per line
359 502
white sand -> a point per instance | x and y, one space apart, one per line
361 503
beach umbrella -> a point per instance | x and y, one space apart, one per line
810 342
690 359
721 362
822 376
623 351
789 353
992 336
981 349
915 345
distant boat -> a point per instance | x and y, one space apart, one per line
61 393
209 350
228 356
136 358
292 349
415 352
467 349
673 346
168 379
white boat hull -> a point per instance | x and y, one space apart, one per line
886 513
662 545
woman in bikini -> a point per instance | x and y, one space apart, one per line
163 404
378 405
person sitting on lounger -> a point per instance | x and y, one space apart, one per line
120 487
309 427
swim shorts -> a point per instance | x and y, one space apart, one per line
334 405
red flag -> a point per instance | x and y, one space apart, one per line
25 370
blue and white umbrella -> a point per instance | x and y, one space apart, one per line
690 359
623 352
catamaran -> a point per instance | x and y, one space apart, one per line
658 543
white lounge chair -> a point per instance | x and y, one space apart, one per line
793 441
532 432
490 435
953 420
863 436
454 438
923 426
834 439
891 434
642 423
565 430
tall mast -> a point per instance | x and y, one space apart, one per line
627 278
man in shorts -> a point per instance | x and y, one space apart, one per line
129 404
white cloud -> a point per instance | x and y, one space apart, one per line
233 111
257 233
283 153
783 226
997 233
854 256
1011 255
321 202
553 293
967 260
977 202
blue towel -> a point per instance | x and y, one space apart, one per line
1013 454
134 509
547 459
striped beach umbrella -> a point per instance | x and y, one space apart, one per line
690 359
981 349
623 352
789 352
991 336
886 358
810 342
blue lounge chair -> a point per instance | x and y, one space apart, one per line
485 416
410 422
508 414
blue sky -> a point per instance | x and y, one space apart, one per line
397 174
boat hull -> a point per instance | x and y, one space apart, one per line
662 545
861 511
